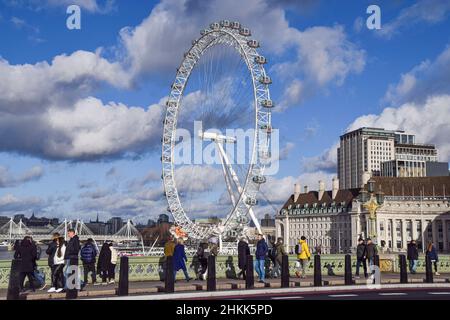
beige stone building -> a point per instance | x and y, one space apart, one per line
413 208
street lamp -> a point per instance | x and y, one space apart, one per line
372 201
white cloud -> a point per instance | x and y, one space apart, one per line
327 161
429 121
426 79
324 56
423 11
284 152
8 180
11 205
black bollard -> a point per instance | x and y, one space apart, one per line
73 280
376 262
285 271
211 276
403 273
428 270
317 271
123 277
169 277
250 277
348 270
13 285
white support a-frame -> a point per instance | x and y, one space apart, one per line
229 172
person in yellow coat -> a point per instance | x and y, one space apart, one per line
303 256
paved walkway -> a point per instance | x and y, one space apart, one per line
153 287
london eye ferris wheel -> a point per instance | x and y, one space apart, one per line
221 83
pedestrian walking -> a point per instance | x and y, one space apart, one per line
112 264
88 256
71 257
58 281
243 252
104 260
278 252
260 257
361 258
412 256
433 256
372 251
303 256
26 253
51 250
180 259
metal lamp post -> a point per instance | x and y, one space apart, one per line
372 201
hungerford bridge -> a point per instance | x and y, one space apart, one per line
12 231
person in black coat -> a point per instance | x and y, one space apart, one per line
71 258
361 258
243 252
51 250
104 262
412 256
26 252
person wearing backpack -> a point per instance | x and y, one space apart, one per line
26 254
88 255
303 256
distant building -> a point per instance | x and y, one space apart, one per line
4 220
163 218
114 225
381 152
151 223
98 227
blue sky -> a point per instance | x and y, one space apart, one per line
80 110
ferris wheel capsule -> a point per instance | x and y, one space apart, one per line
259 179
251 201
260 60
245 32
236 25
253 43
214 26
203 32
266 103
225 23
265 80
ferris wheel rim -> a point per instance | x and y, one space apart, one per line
217 34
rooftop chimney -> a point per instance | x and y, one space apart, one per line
296 191
335 187
306 189
321 189
365 178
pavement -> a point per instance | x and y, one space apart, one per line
156 288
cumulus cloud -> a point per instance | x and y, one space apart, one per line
327 161
8 180
429 121
324 56
284 152
424 80
90 130
11 205
423 11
